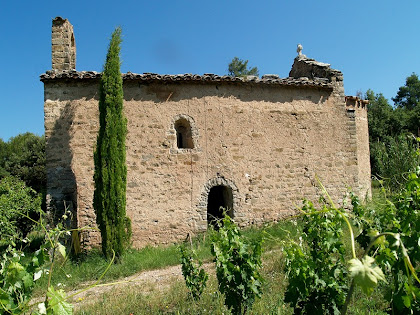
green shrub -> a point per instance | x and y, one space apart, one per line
318 277
17 278
393 159
19 271
195 277
316 266
238 262
17 199
398 256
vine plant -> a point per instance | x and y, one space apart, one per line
195 277
316 265
237 266
19 271
394 235
318 273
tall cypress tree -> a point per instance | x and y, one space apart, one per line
110 176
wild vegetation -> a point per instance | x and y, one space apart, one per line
394 132
195 276
23 157
20 206
238 263
20 269
316 265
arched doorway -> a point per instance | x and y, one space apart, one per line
219 196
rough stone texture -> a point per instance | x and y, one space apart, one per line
356 110
63 45
264 138
312 69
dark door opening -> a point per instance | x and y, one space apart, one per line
219 197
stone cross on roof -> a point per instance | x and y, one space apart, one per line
299 51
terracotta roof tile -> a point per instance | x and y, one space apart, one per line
188 77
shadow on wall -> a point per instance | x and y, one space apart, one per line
61 181
163 92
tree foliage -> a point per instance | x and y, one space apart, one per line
23 156
110 157
385 120
393 149
408 96
18 205
394 159
408 102
381 116
239 68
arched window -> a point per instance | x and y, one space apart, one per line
184 138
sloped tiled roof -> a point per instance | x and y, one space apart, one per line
269 79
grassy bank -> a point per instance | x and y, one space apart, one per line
175 299
89 267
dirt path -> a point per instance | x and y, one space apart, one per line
159 279
146 281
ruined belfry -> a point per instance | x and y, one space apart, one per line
63 45
199 142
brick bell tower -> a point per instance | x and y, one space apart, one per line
63 45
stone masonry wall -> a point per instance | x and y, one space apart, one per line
267 142
63 45
357 112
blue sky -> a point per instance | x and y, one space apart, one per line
374 43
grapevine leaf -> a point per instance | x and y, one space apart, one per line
4 300
37 275
27 280
380 240
62 250
366 273
14 271
57 302
407 301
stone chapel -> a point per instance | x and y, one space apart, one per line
196 143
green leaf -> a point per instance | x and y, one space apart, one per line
5 299
61 249
37 275
366 273
57 302
27 281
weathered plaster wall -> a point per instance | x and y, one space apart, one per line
266 142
